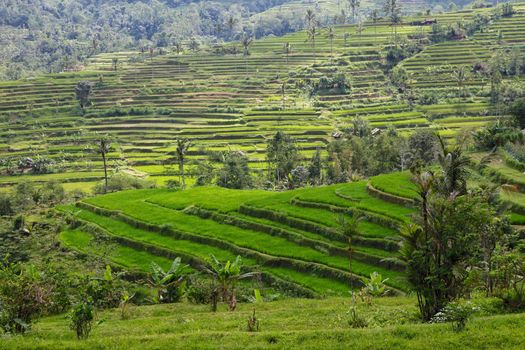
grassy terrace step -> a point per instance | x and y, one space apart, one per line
301 264
246 241
137 248
397 184
366 255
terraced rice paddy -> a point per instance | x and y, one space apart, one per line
226 102
292 237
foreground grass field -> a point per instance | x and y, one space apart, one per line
285 324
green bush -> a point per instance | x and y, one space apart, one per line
82 317
199 291
456 313
24 296
121 182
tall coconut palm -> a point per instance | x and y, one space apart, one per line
183 146
354 6
287 51
392 9
310 18
349 229
331 36
231 22
104 146
312 35
454 169
246 42
460 75
374 16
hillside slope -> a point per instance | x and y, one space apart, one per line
227 101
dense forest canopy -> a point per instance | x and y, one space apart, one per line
52 35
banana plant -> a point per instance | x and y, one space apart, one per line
227 275
169 284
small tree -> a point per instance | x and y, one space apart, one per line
517 110
115 61
82 92
282 155
460 75
227 275
81 319
315 168
183 145
235 172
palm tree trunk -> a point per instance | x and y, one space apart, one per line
183 182
105 172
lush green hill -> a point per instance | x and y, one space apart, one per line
286 324
227 101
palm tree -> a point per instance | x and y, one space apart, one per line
374 15
354 5
287 51
246 42
169 283
349 229
392 9
312 34
183 146
460 76
104 146
227 275
454 168
359 29
331 36
346 36
178 48
82 92
230 23
115 63
310 18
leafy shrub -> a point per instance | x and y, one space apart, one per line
375 285
173 184
496 134
456 313
81 319
6 205
199 291
121 182
104 292
24 296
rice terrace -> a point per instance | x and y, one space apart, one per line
288 174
